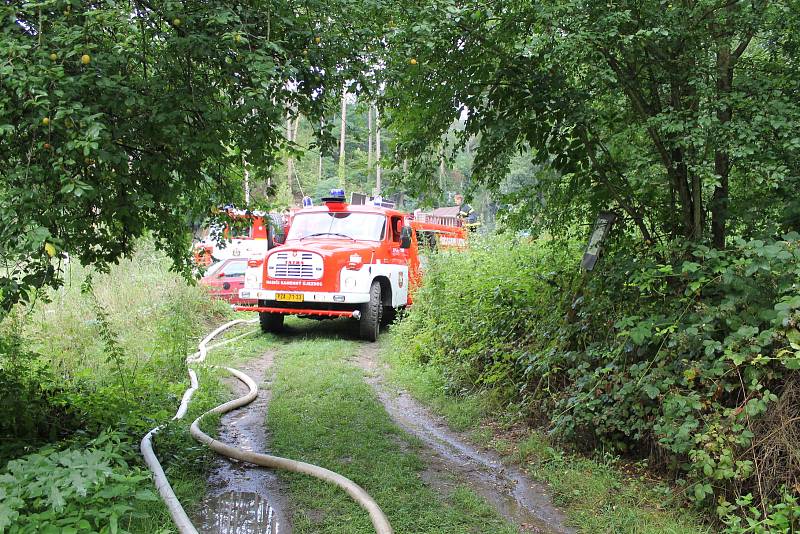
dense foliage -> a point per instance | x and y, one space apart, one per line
110 357
125 116
691 363
682 116
75 490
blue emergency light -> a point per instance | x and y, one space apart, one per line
336 196
307 202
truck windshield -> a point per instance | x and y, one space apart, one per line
338 225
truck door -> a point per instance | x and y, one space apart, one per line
399 255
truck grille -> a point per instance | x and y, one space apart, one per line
295 265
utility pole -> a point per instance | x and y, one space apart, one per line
342 169
369 142
289 158
377 153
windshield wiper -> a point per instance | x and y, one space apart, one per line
327 233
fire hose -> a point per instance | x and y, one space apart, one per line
179 516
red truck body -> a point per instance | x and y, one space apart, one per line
343 260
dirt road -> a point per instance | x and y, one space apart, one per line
438 466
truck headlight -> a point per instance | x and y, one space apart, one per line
350 282
251 280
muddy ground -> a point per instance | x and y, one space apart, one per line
244 498
451 460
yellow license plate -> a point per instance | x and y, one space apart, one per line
289 297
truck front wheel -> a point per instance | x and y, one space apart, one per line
271 322
370 322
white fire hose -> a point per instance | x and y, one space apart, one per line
182 521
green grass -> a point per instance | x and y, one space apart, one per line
597 495
152 310
322 412
186 463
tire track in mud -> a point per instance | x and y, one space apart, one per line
242 498
452 461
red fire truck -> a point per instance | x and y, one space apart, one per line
343 260
255 233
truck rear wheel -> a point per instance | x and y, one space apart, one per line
371 312
271 322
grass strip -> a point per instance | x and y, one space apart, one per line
322 412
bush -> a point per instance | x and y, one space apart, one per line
30 395
89 488
106 354
687 355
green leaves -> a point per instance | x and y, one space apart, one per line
81 489
127 130
635 362
638 106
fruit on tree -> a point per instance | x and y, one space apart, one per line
86 59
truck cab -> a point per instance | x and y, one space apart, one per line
338 260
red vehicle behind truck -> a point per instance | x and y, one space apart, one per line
342 260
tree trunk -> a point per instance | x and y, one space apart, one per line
319 168
722 164
342 137
679 178
441 173
698 222
246 183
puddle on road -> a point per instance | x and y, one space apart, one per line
239 513
453 461
242 498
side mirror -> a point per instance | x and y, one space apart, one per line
220 275
405 237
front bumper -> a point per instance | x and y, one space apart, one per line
356 314
308 296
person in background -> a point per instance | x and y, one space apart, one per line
467 214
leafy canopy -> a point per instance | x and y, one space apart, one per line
681 115
122 117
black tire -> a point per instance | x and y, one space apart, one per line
271 322
389 315
371 313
